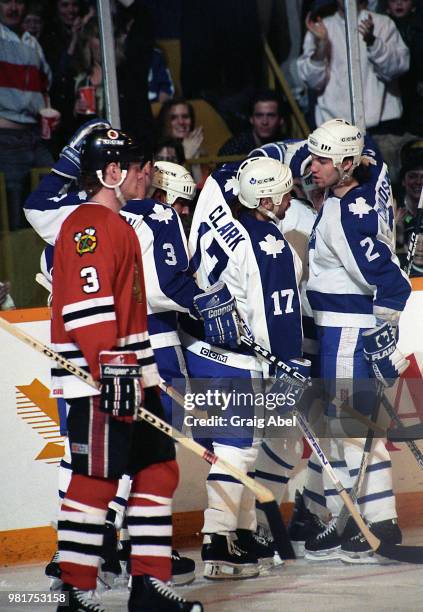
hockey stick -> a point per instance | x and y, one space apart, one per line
272 359
355 491
405 434
406 554
265 496
412 243
418 455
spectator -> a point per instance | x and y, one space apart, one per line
34 19
88 69
176 119
412 181
59 42
136 41
267 122
21 99
384 57
160 84
169 149
410 25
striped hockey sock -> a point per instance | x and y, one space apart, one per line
81 529
149 518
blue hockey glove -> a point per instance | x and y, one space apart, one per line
380 351
217 308
69 162
287 384
121 391
303 366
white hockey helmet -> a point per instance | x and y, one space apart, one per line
263 177
174 180
337 139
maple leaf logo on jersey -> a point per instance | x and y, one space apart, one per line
86 241
359 207
232 184
161 214
272 245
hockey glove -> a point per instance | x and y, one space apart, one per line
380 351
121 391
69 162
217 308
286 383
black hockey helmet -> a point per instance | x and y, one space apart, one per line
107 145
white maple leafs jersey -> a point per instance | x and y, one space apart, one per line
352 265
255 261
169 285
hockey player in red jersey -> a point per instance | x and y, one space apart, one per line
100 322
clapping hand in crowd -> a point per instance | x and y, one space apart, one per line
366 28
317 27
192 143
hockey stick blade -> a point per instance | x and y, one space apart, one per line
412 243
265 496
404 434
405 554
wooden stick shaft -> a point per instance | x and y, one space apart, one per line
262 493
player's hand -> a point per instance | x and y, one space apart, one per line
366 28
121 391
69 164
384 358
287 384
217 307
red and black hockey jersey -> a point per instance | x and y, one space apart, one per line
98 297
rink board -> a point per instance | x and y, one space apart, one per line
31 446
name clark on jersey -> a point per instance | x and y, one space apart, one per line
226 228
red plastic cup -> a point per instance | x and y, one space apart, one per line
87 94
49 119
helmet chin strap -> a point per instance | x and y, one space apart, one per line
344 175
116 186
268 213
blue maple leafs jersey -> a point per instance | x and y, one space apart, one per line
352 265
169 285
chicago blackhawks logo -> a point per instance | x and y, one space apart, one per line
86 241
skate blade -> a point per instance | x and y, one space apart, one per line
183 579
270 564
323 555
298 547
225 571
55 584
367 558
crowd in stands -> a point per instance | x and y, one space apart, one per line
50 57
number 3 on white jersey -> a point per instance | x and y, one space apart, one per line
284 293
90 274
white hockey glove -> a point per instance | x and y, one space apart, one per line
121 391
217 307
380 351
69 162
